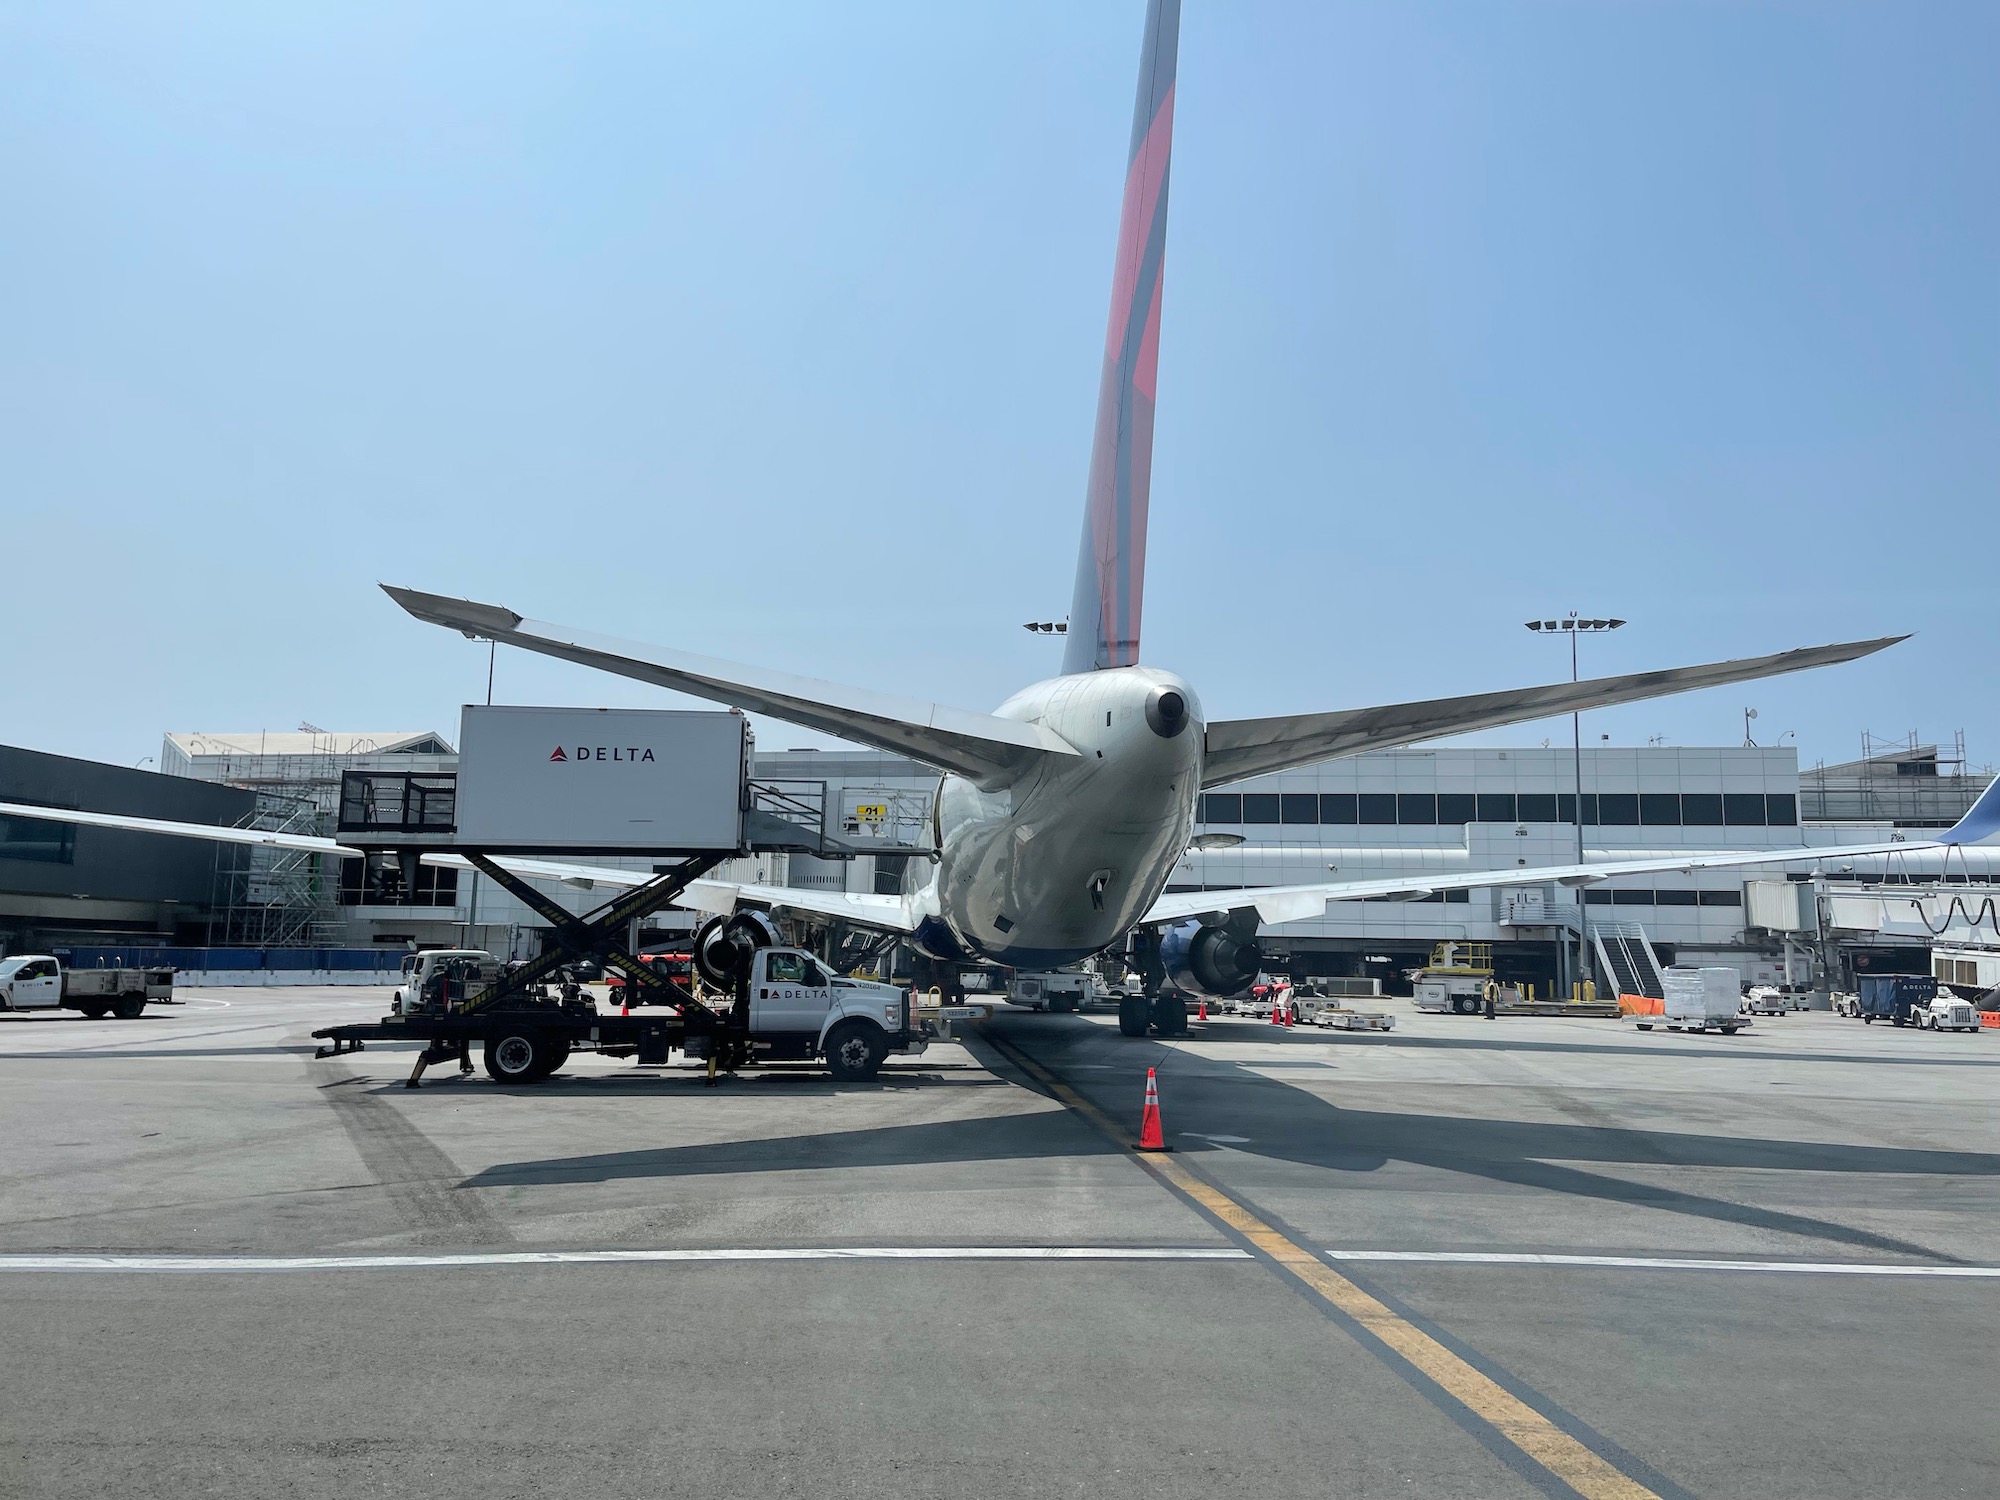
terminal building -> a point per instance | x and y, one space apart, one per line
1388 814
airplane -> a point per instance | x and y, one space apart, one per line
1060 815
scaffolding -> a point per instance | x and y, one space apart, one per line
1901 782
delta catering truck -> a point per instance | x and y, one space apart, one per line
38 981
661 784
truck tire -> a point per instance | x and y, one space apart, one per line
558 1054
854 1051
95 1012
129 1007
1134 1014
518 1057
1728 1030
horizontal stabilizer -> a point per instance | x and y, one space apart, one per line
986 750
1237 748
884 913
1300 903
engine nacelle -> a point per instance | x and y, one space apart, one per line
724 945
1211 962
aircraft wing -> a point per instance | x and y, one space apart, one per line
885 913
1236 748
980 747
1297 903
534 869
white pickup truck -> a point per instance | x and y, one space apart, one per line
38 981
798 1010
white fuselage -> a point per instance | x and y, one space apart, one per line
1064 861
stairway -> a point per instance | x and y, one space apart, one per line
1628 958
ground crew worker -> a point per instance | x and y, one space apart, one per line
1492 997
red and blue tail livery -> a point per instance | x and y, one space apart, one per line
1111 567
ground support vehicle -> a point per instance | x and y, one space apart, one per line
39 981
1699 1000
1946 1012
1895 998
1766 1000
1053 989
423 971
1336 1019
782 1004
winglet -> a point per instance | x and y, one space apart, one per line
479 622
1981 821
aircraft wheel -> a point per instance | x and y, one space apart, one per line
1133 1015
1170 1015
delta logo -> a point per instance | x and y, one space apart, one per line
635 754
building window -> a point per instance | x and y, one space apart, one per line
1743 809
1496 807
1458 898
1300 807
1676 898
1631 898
1260 807
1378 808
1701 809
1536 807
1416 808
1720 898
1617 809
1781 810
1566 807
1660 809
38 840
1222 807
1597 898
1338 807
1457 807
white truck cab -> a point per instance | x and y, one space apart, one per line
419 968
33 982
798 1009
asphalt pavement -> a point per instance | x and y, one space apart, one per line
1532 1256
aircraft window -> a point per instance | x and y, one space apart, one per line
1660 809
1536 807
1743 809
1416 808
785 968
1260 807
1338 807
1457 807
1618 809
1496 807
1701 809
1378 807
1223 807
1720 898
1300 807
1781 810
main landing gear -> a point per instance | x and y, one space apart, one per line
1154 1011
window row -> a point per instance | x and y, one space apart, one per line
1433 809
1663 898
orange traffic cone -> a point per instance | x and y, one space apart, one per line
1151 1137
1290 1019
1276 1019
1201 1014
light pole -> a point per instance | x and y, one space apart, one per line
1574 626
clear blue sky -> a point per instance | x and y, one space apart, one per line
771 331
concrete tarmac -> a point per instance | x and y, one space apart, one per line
209 1130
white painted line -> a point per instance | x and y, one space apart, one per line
152 1264
1660 1263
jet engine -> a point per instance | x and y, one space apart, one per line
724 945
1211 961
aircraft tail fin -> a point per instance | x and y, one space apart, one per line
1111 565
1981 821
